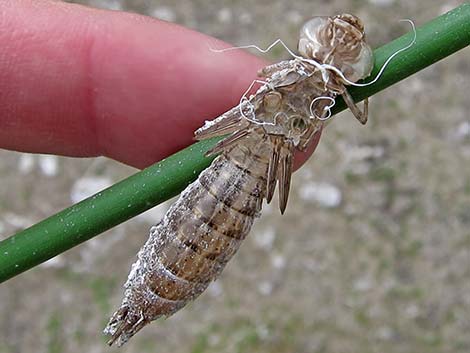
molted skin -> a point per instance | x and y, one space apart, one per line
205 227
338 41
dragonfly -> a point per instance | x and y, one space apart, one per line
203 229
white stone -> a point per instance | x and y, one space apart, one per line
215 289
164 13
225 15
385 333
55 262
264 239
155 214
278 261
362 284
26 163
463 130
294 17
17 221
325 194
382 2
246 18
49 165
87 186
108 4
265 288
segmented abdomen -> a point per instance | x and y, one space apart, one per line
197 237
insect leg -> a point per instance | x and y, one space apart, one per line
227 142
267 71
360 115
227 123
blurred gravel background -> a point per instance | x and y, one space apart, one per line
373 254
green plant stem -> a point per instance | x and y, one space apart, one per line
435 40
78 223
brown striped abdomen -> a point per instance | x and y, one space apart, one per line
197 237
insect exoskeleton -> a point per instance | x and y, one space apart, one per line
338 41
298 124
272 101
205 227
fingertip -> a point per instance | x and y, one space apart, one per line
164 85
121 85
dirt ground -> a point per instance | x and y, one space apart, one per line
373 254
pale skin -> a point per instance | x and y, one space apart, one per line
82 82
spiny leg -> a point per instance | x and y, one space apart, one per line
227 142
360 115
227 123
267 71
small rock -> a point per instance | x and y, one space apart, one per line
447 7
268 208
263 331
246 18
265 239
278 261
294 17
325 194
49 165
108 4
362 153
362 284
17 221
155 214
215 289
87 186
463 130
213 339
26 163
224 15
164 13
382 3
385 333
265 288
55 262
412 311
